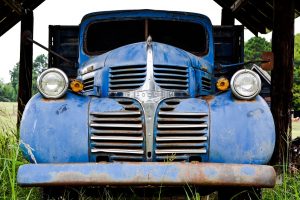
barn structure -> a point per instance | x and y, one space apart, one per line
258 16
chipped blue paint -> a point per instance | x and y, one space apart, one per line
56 130
241 131
248 171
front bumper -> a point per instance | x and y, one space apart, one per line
146 173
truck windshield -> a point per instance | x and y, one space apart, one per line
104 36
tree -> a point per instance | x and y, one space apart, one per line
254 47
297 50
40 64
6 92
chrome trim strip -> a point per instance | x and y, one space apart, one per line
116 125
182 126
201 138
120 138
185 151
125 151
183 113
116 113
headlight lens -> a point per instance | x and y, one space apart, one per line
245 84
52 83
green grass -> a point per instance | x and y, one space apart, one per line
11 159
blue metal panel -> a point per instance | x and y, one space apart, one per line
240 131
55 131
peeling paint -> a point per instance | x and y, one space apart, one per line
29 151
61 109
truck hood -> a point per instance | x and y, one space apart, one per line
136 54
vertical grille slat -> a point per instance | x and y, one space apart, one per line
171 77
126 77
118 135
180 135
206 84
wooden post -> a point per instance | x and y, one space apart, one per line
25 70
282 77
227 17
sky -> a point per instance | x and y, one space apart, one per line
70 12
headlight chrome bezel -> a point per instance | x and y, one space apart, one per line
62 74
239 95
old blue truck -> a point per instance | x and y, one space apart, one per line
151 100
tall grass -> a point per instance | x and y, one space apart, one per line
10 160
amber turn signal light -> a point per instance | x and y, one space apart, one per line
76 85
222 84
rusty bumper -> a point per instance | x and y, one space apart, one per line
147 173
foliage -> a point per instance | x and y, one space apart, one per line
254 48
296 88
39 65
7 92
297 50
296 84
11 90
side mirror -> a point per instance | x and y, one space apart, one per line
267 56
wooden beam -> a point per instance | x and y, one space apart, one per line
282 77
14 6
25 70
227 17
237 5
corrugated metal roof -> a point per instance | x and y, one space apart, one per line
256 15
11 12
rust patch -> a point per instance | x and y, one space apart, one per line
208 98
52 100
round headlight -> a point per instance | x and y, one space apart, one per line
245 84
52 83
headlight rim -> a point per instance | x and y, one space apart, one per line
237 94
59 71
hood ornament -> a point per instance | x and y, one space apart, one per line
149 41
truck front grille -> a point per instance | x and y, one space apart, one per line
181 136
88 84
171 77
118 136
126 77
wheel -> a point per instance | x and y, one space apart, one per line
58 193
243 193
